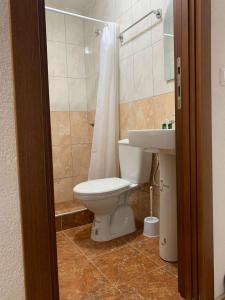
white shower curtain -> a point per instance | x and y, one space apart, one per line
104 153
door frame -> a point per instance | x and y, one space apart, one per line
193 144
34 148
194 148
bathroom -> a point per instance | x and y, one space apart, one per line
142 98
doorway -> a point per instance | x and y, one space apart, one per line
43 123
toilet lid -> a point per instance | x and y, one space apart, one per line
100 186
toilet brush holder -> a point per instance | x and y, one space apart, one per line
151 227
151 224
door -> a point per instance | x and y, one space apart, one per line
192 20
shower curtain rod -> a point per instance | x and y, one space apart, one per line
73 14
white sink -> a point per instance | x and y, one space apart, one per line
157 139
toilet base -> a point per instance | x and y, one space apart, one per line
108 227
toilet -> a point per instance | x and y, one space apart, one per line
108 198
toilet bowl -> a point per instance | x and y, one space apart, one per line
108 198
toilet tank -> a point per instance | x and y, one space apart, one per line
135 163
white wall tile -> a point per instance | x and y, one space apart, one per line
157 25
74 31
75 61
143 77
56 59
161 86
77 94
58 93
55 27
91 88
126 79
121 6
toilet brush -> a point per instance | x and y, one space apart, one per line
151 224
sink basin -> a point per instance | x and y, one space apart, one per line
157 139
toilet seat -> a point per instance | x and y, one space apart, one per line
101 188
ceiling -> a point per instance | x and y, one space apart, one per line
77 5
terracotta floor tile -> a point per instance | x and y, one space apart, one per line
78 278
118 270
171 268
150 247
81 237
156 285
124 264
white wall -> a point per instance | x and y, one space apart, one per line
218 141
11 262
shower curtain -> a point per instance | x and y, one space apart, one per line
104 152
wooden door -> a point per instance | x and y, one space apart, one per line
192 19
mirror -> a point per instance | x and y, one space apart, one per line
169 42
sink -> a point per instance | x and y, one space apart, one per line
162 141
157 139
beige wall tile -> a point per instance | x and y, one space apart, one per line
79 127
62 161
81 159
91 120
60 126
63 189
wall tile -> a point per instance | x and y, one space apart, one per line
81 159
77 94
126 79
91 88
63 189
60 127
75 61
91 120
121 7
55 27
157 28
161 86
74 31
143 79
62 161
58 93
79 127
56 59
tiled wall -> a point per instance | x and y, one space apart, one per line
141 54
146 99
69 118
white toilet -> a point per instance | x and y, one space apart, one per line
108 198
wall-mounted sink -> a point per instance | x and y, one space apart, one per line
155 139
162 141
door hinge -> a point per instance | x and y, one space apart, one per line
179 87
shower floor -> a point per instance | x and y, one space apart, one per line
125 268
68 207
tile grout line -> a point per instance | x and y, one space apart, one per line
91 262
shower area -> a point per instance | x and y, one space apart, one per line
90 58
74 47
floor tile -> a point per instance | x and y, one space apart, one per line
124 265
156 285
78 277
150 247
81 237
127 268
